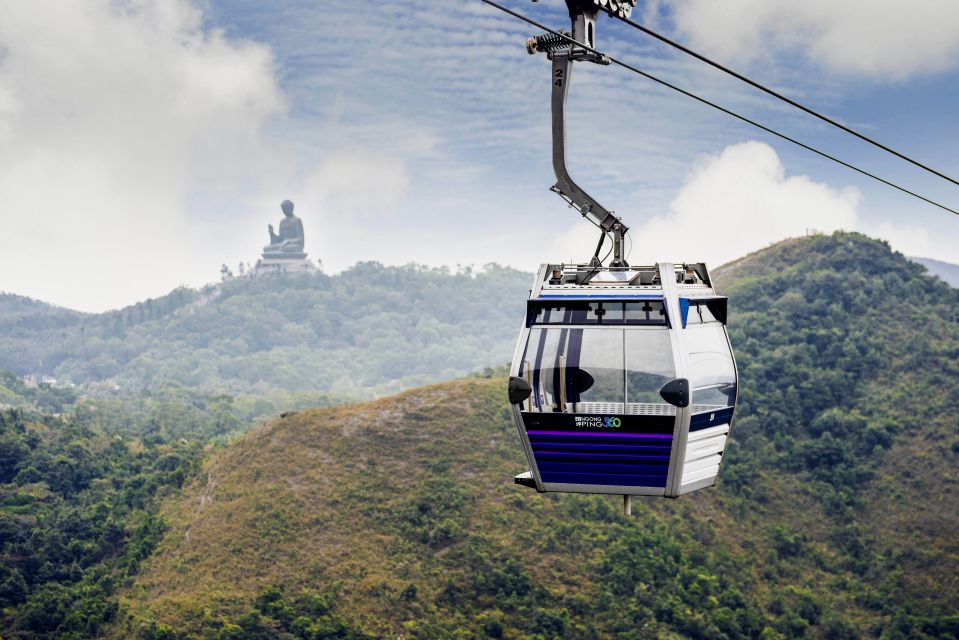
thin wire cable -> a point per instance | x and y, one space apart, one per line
778 95
718 107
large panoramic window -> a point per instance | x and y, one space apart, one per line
712 374
570 369
597 370
597 373
649 365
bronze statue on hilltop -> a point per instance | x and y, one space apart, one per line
288 243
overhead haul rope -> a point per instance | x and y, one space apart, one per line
777 95
718 107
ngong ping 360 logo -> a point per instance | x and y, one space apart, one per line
598 422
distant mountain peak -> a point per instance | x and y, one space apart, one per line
946 271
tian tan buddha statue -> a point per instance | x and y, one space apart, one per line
288 243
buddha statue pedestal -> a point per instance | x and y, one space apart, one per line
273 264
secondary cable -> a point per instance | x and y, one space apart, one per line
718 107
776 94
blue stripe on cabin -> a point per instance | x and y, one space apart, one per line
571 456
600 447
609 479
710 419
591 466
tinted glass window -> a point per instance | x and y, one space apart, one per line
645 312
712 374
549 314
591 361
600 365
613 313
601 360
605 312
649 365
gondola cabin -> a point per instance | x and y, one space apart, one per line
623 380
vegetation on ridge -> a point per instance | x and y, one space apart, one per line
368 330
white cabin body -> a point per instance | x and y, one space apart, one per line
596 349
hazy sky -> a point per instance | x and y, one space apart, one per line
145 142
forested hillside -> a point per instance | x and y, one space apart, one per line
78 513
835 516
370 329
31 332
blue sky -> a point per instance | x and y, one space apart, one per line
147 142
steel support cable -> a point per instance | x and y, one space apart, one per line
778 95
718 107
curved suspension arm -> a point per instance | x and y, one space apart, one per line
565 186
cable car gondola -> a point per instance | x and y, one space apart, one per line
624 383
623 380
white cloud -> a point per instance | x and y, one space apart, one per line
917 241
733 203
357 183
882 38
117 122
741 200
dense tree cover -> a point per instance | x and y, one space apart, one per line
833 519
841 345
275 615
171 411
32 331
14 393
370 329
77 516
166 412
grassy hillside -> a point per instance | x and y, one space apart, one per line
370 329
835 516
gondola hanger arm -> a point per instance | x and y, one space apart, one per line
563 53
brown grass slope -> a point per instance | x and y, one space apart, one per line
311 503
305 500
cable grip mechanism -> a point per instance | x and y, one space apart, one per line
547 43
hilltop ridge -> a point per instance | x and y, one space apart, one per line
368 330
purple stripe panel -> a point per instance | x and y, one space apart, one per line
584 454
664 436
635 447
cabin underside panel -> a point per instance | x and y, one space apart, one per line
618 452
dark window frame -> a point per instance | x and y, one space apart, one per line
577 312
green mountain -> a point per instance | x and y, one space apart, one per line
947 271
31 332
835 516
368 330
